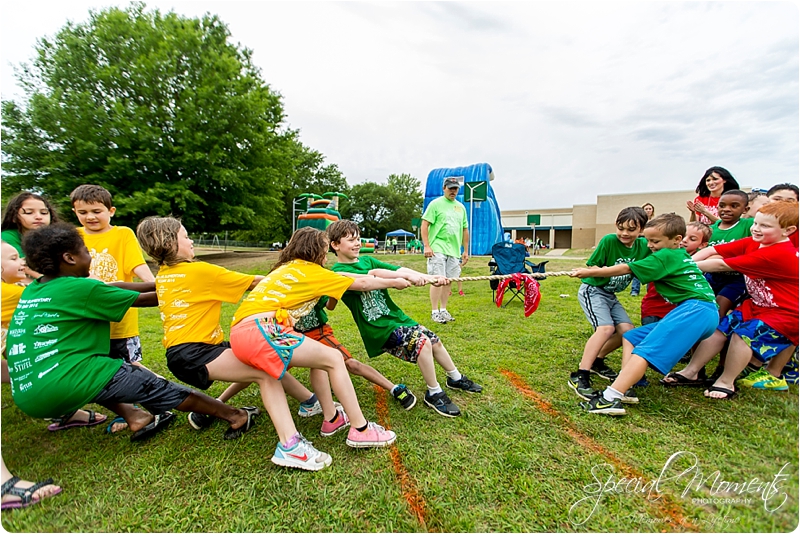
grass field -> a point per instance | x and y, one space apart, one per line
523 457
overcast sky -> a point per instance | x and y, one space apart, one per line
565 100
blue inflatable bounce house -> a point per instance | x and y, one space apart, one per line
485 227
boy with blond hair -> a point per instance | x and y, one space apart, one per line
116 257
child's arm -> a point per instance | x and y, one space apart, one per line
331 304
713 265
256 280
146 300
415 277
144 273
705 253
601 272
369 283
141 287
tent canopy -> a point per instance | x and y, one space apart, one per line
400 233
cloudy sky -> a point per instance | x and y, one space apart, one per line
566 100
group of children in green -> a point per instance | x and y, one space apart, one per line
72 331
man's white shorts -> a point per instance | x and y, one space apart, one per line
441 265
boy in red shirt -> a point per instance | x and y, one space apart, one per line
766 324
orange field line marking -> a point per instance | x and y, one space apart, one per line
666 505
415 500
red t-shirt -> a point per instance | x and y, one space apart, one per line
654 305
793 238
771 275
711 204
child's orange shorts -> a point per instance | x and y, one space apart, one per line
324 334
267 346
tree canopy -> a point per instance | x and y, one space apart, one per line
164 112
379 208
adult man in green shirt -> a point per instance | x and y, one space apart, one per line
444 231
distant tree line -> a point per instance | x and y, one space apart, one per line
172 118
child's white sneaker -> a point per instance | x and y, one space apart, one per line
302 456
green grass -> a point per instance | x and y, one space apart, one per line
508 464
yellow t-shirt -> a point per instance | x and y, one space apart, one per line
295 288
115 254
190 297
11 294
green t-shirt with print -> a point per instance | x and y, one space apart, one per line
13 238
740 230
447 219
59 341
374 312
610 252
315 319
676 277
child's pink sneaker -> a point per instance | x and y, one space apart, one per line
329 429
374 436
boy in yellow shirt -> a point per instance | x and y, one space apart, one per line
116 257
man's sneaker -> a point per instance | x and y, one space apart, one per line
442 404
581 385
302 456
598 404
329 429
464 383
772 383
374 436
436 317
630 397
753 378
406 399
199 421
446 316
602 370
310 410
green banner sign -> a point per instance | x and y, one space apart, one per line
476 191
535 220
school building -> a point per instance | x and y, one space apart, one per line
582 225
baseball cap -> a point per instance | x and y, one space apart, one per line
451 182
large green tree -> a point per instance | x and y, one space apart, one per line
164 112
381 208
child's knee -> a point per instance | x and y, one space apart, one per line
353 366
605 330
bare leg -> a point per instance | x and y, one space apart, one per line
436 296
707 349
776 364
633 368
593 345
229 368
442 357
725 305
6 378
232 391
322 389
610 346
295 389
357 368
738 355
315 355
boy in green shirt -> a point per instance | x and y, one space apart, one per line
385 328
660 345
598 299
59 343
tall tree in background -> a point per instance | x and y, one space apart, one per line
379 208
161 110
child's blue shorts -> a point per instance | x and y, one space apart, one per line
763 340
729 285
663 343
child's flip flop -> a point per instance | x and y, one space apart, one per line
94 419
117 420
159 423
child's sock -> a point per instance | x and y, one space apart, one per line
335 417
454 374
442 310
292 441
312 400
435 389
610 394
363 428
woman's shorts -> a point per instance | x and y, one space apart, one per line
406 342
262 344
188 361
134 384
763 340
324 334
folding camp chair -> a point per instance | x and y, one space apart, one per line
509 258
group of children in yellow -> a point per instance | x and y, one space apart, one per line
73 339
728 288
70 330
